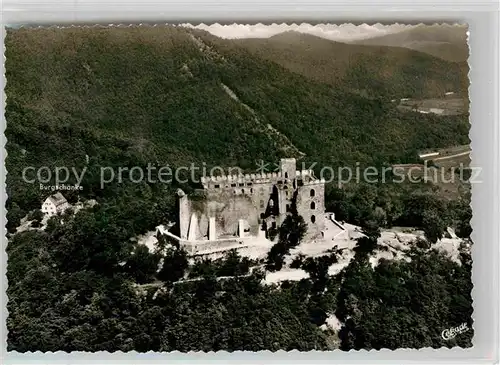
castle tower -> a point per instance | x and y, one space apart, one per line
184 213
285 185
288 167
311 206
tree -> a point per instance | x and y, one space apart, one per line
298 261
415 300
14 216
422 243
433 226
317 268
36 217
368 243
272 233
291 232
69 211
175 263
276 256
142 265
52 224
234 265
463 227
365 246
380 217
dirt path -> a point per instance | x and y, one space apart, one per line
273 133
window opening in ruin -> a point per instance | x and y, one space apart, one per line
313 192
313 219
243 191
217 186
286 175
313 205
233 185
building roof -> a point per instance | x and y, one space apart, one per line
57 199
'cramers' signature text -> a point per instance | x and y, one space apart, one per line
450 333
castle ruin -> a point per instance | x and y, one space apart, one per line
230 211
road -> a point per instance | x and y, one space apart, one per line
451 156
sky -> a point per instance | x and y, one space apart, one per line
343 32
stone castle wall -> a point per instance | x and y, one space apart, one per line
311 206
228 208
201 247
253 198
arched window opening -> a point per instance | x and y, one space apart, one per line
313 193
313 205
286 175
313 219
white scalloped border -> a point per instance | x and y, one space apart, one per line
107 355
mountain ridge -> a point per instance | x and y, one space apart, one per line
130 96
392 70
448 42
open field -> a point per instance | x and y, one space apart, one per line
442 106
445 168
454 156
453 161
449 181
453 150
